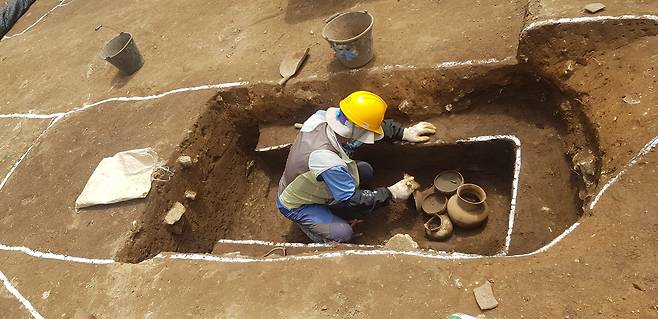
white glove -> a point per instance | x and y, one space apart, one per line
404 188
417 132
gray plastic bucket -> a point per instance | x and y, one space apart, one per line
123 53
350 36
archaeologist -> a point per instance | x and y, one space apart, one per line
10 12
321 182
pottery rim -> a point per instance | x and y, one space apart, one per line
473 189
438 198
443 173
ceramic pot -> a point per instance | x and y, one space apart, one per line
419 197
467 208
438 227
447 182
434 203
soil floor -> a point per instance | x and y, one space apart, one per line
604 268
541 215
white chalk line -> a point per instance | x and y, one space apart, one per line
288 245
20 159
29 116
645 150
443 65
553 242
26 303
325 255
408 67
58 116
453 64
515 181
431 254
158 96
61 4
123 99
49 255
575 20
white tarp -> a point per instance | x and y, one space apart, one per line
124 176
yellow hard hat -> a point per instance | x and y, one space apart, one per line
365 109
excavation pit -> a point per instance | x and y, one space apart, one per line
515 141
486 163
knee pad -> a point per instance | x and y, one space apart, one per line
341 232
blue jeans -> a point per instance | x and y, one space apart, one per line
318 222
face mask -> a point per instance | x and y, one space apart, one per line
357 133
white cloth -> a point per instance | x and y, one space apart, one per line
124 176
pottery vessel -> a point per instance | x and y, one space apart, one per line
467 208
419 197
447 182
438 227
434 203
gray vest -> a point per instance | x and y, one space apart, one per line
298 185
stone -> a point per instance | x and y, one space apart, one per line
190 194
594 7
638 287
401 242
584 162
631 100
405 106
569 67
174 214
185 161
485 297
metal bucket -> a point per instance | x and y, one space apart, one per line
123 53
350 36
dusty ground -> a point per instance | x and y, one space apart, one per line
18 135
604 269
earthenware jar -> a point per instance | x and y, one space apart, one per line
467 208
419 197
447 182
438 227
434 203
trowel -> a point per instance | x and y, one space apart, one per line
291 64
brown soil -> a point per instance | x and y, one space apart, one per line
236 186
19 135
604 269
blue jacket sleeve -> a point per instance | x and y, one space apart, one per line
343 189
340 182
